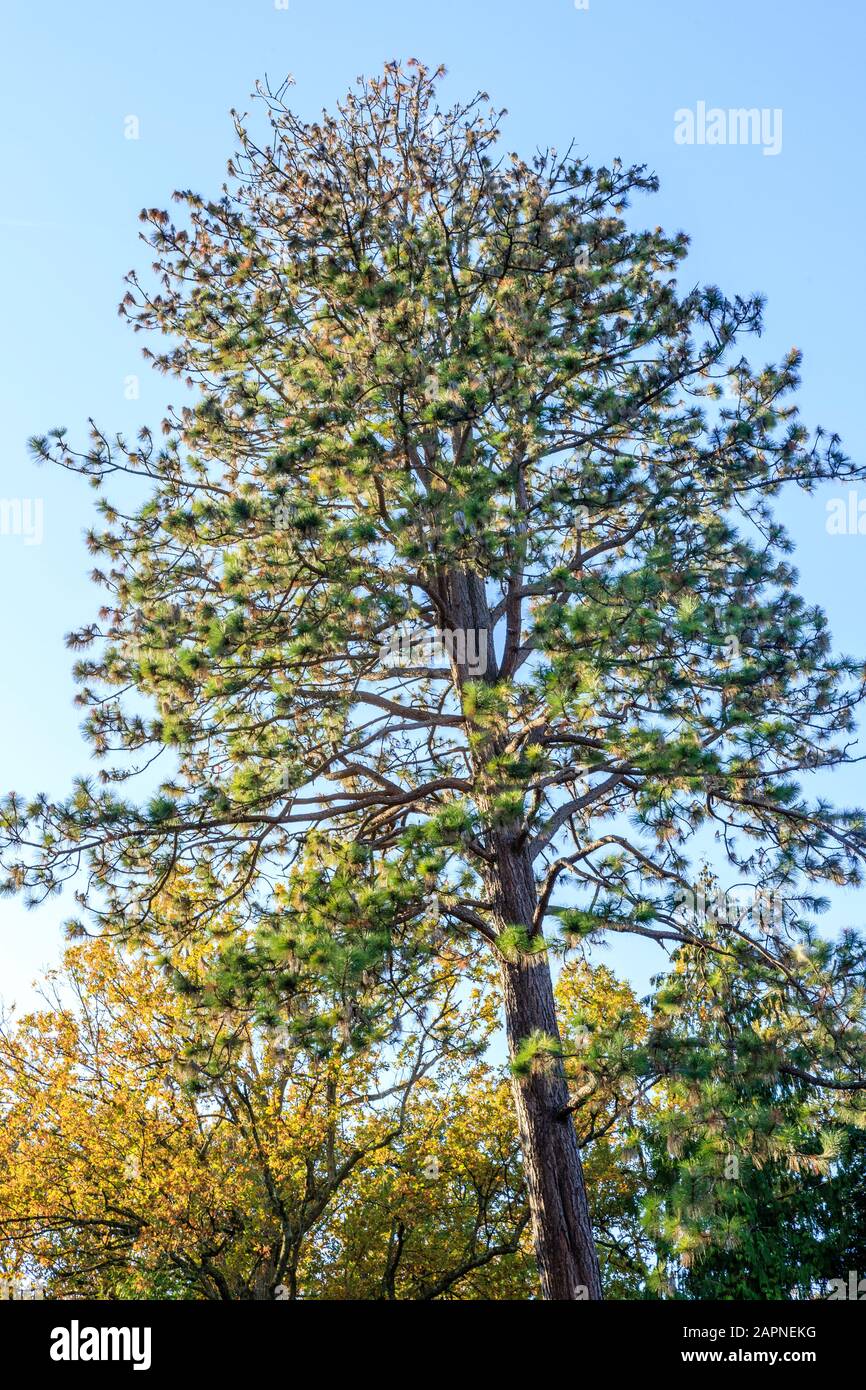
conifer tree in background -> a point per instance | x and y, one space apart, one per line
443 389
715 1168
744 1158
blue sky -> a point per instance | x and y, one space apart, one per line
789 225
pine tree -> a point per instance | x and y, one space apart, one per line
457 575
716 1169
743 1156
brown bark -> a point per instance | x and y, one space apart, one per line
561 1227
562 1233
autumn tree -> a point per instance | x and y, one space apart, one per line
612 1104
459 571
155 1147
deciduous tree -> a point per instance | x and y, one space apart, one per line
155 1147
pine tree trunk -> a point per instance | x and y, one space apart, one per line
562 1232
564 1246
561 1227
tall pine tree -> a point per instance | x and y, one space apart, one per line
458 575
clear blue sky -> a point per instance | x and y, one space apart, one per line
789 225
